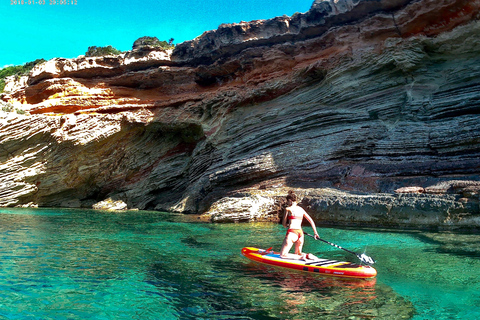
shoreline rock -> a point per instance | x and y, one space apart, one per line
333 207
110 205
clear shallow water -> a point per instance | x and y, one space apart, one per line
80 264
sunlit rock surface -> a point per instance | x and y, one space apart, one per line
110 205
363 97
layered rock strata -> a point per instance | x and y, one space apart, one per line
449 205
361 96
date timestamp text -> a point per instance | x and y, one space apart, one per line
43 2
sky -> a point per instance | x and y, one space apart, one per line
52 29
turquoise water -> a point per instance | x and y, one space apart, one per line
81 264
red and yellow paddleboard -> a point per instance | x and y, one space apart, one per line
319 266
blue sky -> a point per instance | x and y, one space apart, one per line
57 30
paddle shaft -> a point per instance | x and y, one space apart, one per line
333 244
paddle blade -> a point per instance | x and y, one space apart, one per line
366 259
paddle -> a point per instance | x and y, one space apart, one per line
363 257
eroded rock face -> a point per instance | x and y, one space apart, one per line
363 96
332 207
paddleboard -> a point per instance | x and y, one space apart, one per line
317 266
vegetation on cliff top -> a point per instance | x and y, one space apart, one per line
153 42
17 71
94 51
140 43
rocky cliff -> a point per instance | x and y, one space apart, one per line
345 103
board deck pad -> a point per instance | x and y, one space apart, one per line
319 265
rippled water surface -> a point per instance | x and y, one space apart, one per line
81 264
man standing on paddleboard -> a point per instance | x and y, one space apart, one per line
293 220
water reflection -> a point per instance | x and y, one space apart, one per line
308 296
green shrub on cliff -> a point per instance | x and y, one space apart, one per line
2 85
19 71
8 107
29 65
152 42
94 51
